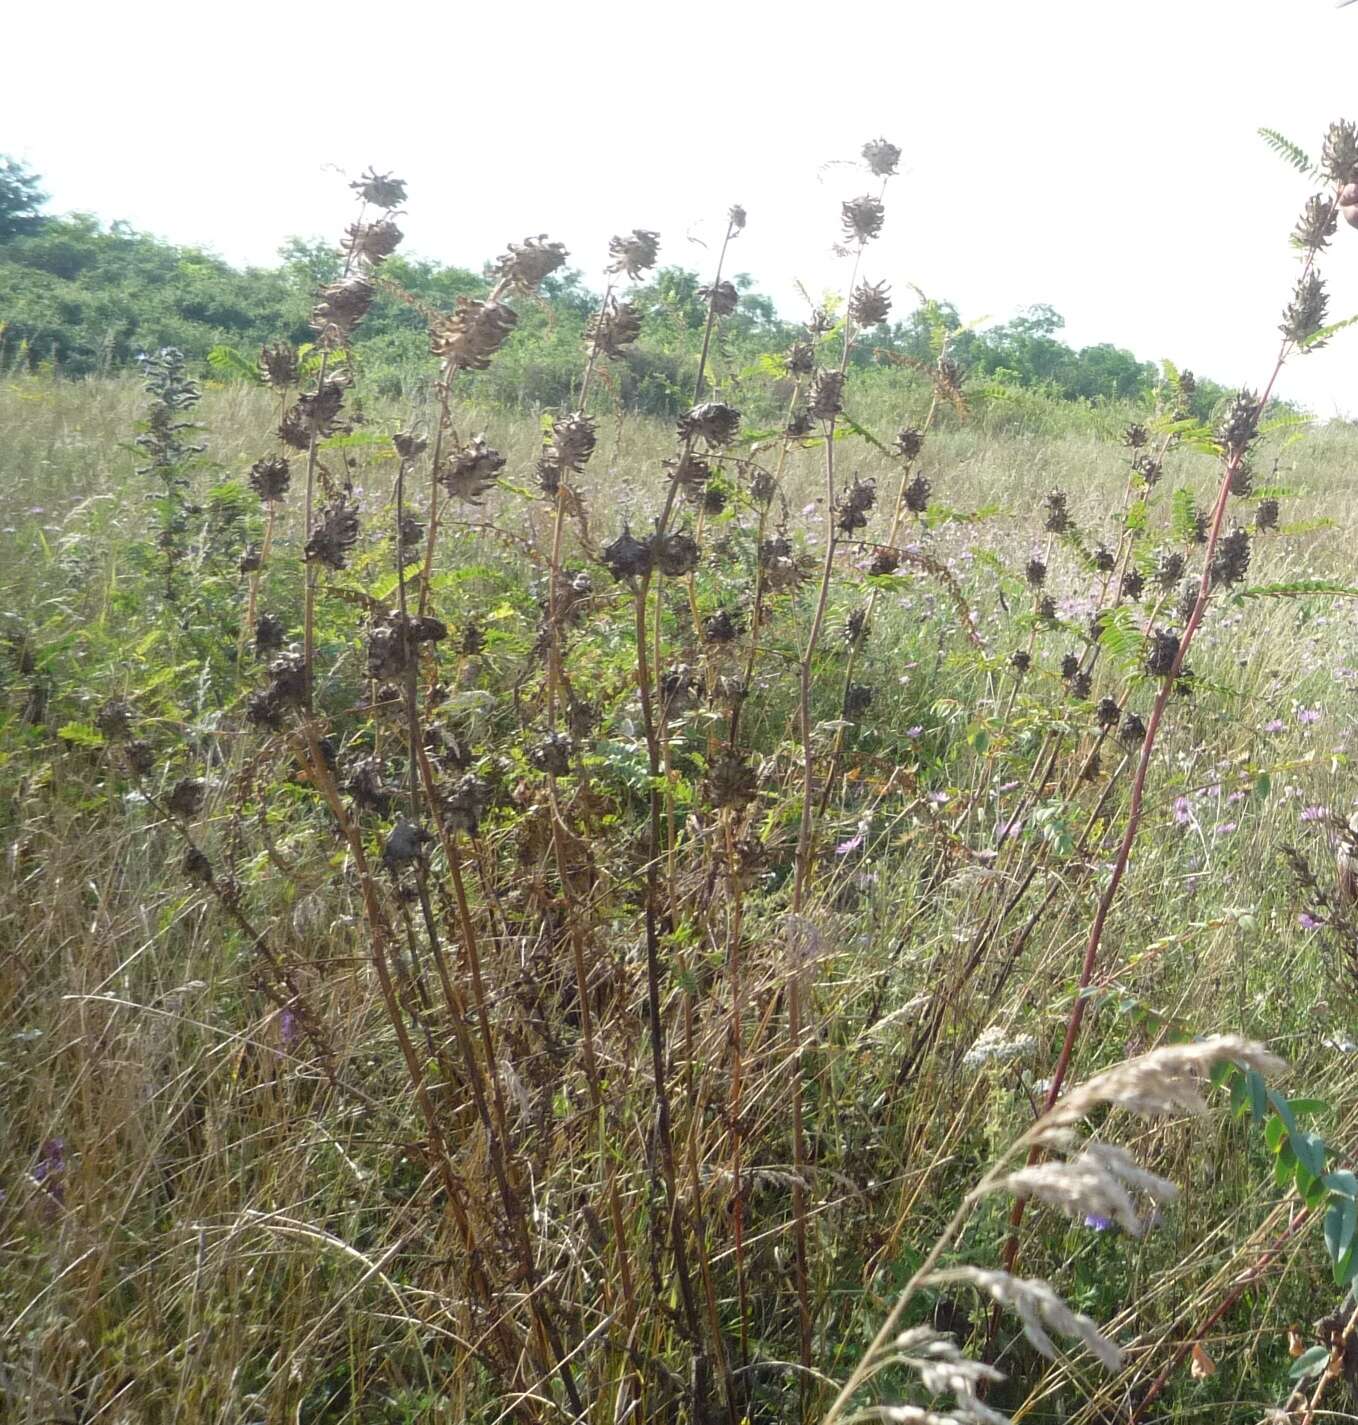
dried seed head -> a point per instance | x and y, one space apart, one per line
278 365
730 781
572 443
881 157
1240 424
409 445
1164 1083
1148 468
1035 572
474 332
634 253
469 472
1242 479
613 328
1133 584
186 797
334 535
1135 436
854 505
675 554
1107 714
857 700
720 628
1103 559
404 845
1058 519
1132 731
718 424
114 719
466 804
141 757
909 441
526 264
856 626
1169 568
1339 152
827 395
553 754
342 306
287 680
366 785
1070 666
269 631
800 358
870 304
270 477
736 217
862 217
1188 598
1317 223
626 557
1020 660
389 650
410 534
916 495
1232 560
722 297
1081 685
197 867
779 566
1161 651
382 190
690 472
1266 516
371 243
313 415
1046 609
800 425
885 561
763 486
1305 313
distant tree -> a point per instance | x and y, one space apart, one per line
21 198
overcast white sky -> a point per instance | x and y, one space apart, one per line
1097 155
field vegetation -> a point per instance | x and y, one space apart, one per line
607 856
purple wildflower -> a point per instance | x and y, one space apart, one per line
1307 921
1307 716
1097 1223
1224 828
1183 811
1274 724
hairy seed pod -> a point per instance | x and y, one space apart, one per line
372 243
197 867
722 297
857 700
800 358
1133 584
469 472
382 190
626 557
409 445
916 495
251 559
114 719
366 784
1305 313
779 565
1103 559
1169 568
827 395
141 758
870 305
334 535
862 218
1240 424
470 337
342 306
800 425
278 365
1317 223
854 505
1232 560
1058 520
715 422
1080 685
909 442
1161 651
1046 609
885 561
1107 714
1266 516
269 632
553 754
1070 666
675 554
881 157
466 804
856 626
1135 436
572 443
187 796
1242 479
634 252
763 486
613 328
404 845
527 264
1339 152
720 628
313 416
270 477
1148 468
1020 660
731 781
287 680
1132 731
1035 572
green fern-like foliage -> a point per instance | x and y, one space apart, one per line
1290 152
